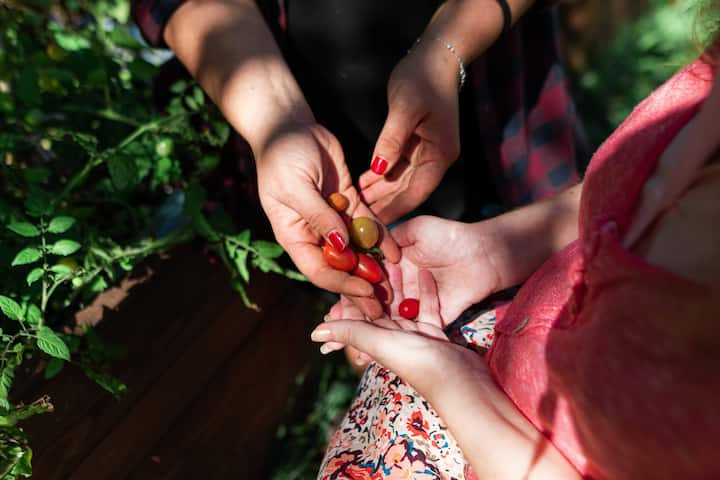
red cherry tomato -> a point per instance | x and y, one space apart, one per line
368 269
346 260
409 308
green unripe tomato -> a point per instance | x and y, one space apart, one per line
164 147
364 232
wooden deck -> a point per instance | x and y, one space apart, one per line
208 380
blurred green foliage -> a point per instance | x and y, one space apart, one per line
643 55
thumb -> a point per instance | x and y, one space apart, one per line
393 139
322 219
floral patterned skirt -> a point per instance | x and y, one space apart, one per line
391 432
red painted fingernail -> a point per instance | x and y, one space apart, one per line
337 241
379 165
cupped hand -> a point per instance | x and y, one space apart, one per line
297 170
420 138
416 350
459 256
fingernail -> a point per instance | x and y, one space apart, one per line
378 165
325 349
320 335
337 241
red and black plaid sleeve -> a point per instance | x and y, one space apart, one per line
151 17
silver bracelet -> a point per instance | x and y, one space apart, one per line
462 74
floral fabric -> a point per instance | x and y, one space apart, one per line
391 432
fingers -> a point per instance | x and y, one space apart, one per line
322 219
393 139
366 337
405 234
429 302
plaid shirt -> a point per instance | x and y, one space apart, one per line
526 117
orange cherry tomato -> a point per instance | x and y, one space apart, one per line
368 269
338 201
345 261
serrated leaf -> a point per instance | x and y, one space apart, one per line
267 265
267 249
34 314
109 383
191 103
10 308
6 380
49 342
24 229
27 255
60 224
65 247
34 275
243 237
53 368
38 202
123 172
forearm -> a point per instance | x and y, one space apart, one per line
520 241
227 46
497 440
471 26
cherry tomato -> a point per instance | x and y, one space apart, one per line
368 269
338 201
364 232
409 308
164 147
346 260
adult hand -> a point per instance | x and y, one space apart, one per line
417 351
459 256
297 169
420 139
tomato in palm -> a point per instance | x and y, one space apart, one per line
364 232
368 269
345 260
409 308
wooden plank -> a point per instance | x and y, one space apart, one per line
227 432
159 321
163 403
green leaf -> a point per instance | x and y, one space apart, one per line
71 42
61 269
34 275
267 265
198 96
60 224
109 383
10 308
38 202
27 255
123 172
24 229
34 315
6 380
179 86
53 368
243 237
65 247
49 342
191 103
268 249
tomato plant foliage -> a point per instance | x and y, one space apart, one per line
88 166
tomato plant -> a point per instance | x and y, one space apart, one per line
95 177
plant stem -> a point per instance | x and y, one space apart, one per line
100 158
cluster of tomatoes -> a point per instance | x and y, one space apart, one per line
364 234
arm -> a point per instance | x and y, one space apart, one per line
420 138
227 46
